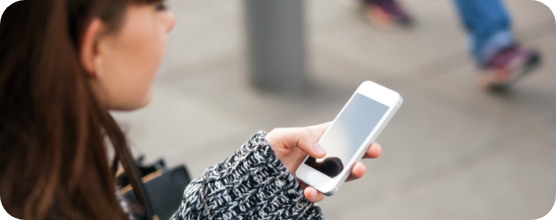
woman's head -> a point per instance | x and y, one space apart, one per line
64 63
122 63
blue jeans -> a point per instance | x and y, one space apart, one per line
488 25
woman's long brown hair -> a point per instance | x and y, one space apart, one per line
53 132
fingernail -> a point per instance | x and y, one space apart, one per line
318 149
312 194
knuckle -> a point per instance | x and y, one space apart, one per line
276 131
306 133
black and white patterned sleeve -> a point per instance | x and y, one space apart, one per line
250 184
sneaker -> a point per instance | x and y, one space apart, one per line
385 13
508 66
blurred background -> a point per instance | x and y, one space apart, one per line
453 151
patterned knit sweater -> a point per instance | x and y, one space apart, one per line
250 184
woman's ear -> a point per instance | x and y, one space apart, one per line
90 56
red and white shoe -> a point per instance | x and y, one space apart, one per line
385 13
508 66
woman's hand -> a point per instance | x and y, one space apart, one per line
292 145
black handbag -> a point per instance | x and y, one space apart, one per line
163 187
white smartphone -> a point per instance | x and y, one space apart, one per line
348 138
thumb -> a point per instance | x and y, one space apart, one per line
302 138
308 142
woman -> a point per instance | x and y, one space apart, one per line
64 64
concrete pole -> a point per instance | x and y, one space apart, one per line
276 44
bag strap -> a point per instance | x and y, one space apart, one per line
123 153
135 179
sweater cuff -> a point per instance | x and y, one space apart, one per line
253 183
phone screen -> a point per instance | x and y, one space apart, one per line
347 134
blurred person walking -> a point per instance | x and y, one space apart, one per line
64 65
501 58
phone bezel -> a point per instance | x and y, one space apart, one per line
373 91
